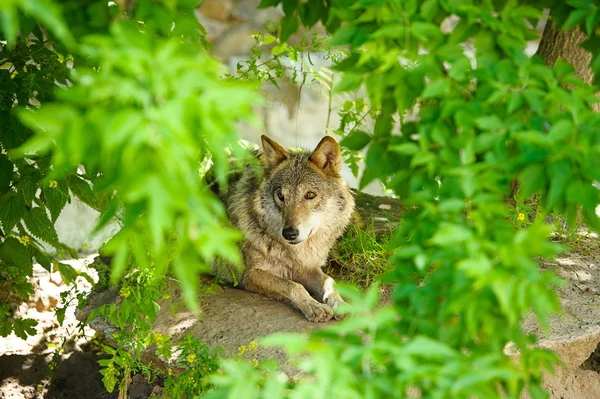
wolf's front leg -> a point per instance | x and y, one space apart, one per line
322 286
264 282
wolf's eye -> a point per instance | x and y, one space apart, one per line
280 195
310 195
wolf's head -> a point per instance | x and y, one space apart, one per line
303 193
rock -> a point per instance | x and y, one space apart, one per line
214 28
56 279
248 11
574 335
95 300
70 345
572 381
232 317
139 388
47 295
220 10
574 350
45 302
234 41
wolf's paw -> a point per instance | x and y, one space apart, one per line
335 303
317 312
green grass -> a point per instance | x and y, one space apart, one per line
360 257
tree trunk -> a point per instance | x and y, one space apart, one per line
556 45
566 46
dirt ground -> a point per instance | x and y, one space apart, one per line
231 318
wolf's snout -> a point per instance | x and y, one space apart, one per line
290 233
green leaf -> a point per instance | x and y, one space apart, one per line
39 225
425 31
422 158
408 251
9 24
356 140
429 8
590 22
534 137
532 179
459 69
405 148
14 253
12 209
450 235
582 193
28 185
349 82
391 31
56 198
490 122
6 172
24 327
288 26
268 3
289 6
42 258
574 18
5 326
375 154
436 88
186 274
48 13
343 35
561 130
515 102
534 98
480 266
60 314
310 13
67 272
428 348
563 68
82 190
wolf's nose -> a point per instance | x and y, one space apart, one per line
290 233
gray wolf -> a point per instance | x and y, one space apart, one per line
291 208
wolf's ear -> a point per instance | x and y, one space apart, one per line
327 156
274 153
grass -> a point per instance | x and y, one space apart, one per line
360 257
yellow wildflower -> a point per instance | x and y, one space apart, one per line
191 358
53 184
521 217
255 362
242 349
25 240
252 345
125 292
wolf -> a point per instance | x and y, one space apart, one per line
291 208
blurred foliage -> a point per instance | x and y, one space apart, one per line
130 110
121 105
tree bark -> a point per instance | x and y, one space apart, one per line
567 46
556 45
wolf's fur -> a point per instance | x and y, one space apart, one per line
280 267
